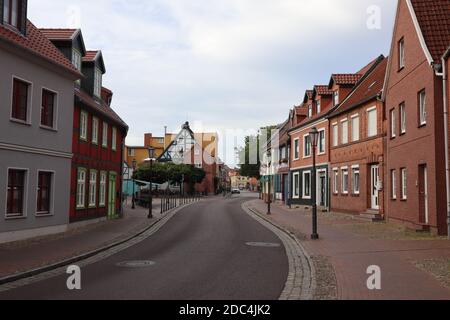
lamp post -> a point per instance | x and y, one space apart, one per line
314 136
151 155
133 198
269 200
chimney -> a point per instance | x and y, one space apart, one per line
148 137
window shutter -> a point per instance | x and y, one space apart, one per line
23 16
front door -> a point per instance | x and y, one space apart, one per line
112 196
322 187
423 194
374 185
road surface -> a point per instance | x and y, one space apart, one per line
202 253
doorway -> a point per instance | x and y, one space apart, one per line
322 188
423 194
374 186
112 214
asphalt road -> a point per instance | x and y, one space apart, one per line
200 254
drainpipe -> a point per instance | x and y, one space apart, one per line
446 136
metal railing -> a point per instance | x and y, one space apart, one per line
169 202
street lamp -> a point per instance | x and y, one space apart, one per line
269 163
133 199
151 156
314 136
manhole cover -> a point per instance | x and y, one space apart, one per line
136 264
263 244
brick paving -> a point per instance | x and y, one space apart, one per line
351 254
35 253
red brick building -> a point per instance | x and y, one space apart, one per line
357 147
414 102
98 134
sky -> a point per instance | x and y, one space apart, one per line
226 66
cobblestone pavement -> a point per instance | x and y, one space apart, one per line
412 266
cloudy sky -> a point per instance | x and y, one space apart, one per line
221 64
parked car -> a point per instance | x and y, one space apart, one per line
235 191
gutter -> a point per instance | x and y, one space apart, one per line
446 135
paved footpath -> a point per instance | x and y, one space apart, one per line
35 253
351 254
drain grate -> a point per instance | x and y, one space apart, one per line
136 264
263 244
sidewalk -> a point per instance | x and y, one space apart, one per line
410 267
27 255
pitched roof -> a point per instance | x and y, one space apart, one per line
345 78
38 44
369 88
322 90
59 34
369 66
308 95
90 55
100 107
433 17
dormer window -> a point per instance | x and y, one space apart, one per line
319 107
401 54
11 13
336 98
76 59
97 83
310 111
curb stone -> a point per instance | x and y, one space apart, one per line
39 274
300 284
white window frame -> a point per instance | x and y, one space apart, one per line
93 176
105 128
114 139
310 111
336 181
393 123
29 101
394 184
304 173
76 59
97 82
422 107
369 112
355 118
84 124
318 106
322 144
296 185
344 174
403 118
401 53
404 185
356 172
131 152
336 98
54 126
102 188
307 146
81 189
95 128
335 129
296 148
344 135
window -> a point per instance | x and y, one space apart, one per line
393 184
393 124
105 135
310 111
336 98
404 180
102 193
422 108
81 188
97 83
401 54
355 180
44 190
131 152
92 189
83 125
344 131
11 13
48 108
307 184
160 140
345 181
296 190
335 135
296 149
322 141
306 146
372 122
402 118
355 128
94 130
336 181
114 138
76 59
318 106
16 193
20 100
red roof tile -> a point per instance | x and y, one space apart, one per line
101 107
37 43
322 90
90 55
59 34
434 20
368 89
346 78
